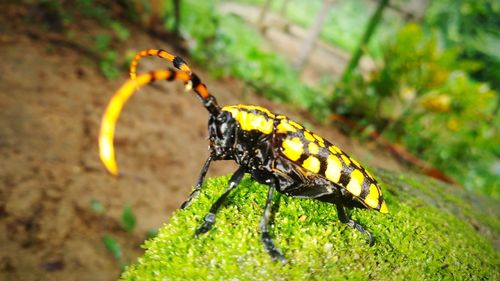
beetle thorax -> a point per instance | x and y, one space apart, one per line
241 133
222 135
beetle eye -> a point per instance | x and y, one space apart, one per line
223 117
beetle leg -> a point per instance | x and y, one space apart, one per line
199 183
352 223
210 217
266 237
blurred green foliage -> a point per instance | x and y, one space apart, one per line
474 25
114 249
97 206
62 16
128 219
112 246
128 222
423 97
227 45
345 22
107 63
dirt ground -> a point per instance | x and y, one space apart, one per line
51 101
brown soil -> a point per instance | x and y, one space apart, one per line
51 99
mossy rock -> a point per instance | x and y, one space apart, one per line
433 231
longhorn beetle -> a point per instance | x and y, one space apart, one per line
272 148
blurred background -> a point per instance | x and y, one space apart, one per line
402 85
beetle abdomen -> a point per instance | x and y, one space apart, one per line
312 152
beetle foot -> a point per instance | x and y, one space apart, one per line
273 251
209 221
188 202
360 228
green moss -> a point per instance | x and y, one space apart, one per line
433 232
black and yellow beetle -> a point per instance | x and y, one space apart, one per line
273 149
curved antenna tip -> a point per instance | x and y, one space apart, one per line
107 154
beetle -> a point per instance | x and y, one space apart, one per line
272 148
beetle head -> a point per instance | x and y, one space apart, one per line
222 135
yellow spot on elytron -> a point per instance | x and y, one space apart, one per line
334 149
333 169
243 108
234 111
252 121
260 123
242 119
308 136
354 185
383 208
249 121
320 140
312 164
313 148
257 108
372 198
355 162
295 124
346 159
293 148
230 108
283 127
369 175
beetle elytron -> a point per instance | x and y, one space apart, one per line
273 149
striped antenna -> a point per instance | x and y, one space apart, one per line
121 96
178 62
